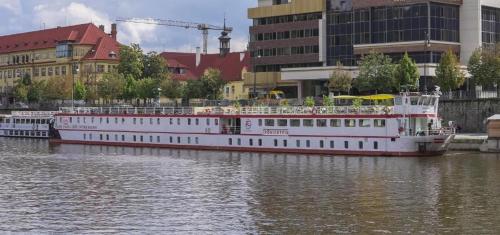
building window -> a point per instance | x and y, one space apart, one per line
44 72
64 50
50 71
100 68
63 70
56 70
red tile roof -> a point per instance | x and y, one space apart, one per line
83 34
231 65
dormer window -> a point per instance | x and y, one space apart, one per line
112 54
64 50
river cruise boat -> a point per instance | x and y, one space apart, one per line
27 124
405 125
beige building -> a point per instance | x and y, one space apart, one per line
84 51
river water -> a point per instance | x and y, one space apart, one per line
94 189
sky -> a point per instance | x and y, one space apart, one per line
29 15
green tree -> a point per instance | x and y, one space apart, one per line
407 73
309 101
147 88
21 92
340 80
80 90
484 67
111 86
376 73
58 88
171 88
35 91
131 61
154 66
193 89
129 91
448 73
26 79
213 84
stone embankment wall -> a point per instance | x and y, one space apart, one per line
470 115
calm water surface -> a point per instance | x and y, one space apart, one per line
93 189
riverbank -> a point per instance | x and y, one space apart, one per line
468 142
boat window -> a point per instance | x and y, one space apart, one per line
70 120
179 140
332 144
275 143
123 137
37 121
100 136
308 143
335 122
375 145
92 119
171 121
307 123
346 144
398 101
84 136
151 139
141 121
239 141
208 121
250 142
178 121
295 122
269 122
150 121
321 122
189 121
260 142
285 143
158 139
134 120
142 138
365 123
90 136
379 122
116 120
260 122
230 140
197 121
123 120
196 140
107 120
171 139
116 137
216 122
350 123
282 122
100 120
321 144
189 140
360 144
297 143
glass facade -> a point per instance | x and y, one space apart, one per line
388 24
490 26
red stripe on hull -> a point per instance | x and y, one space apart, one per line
247 149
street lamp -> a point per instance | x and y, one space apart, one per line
159 97
74 70
255 76
427 45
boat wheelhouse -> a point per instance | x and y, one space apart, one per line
26 124
406 125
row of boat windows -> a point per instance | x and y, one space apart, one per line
26 133
139 138
141 121
25 121
298 143
322 122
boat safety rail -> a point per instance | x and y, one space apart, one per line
254 110
442 131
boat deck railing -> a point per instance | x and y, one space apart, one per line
257 110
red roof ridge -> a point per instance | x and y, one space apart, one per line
42 30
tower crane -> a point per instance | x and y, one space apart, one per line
181 24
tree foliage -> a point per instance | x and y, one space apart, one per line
147 88
111 86
193 89
406 73
340 80
154 66
36 91
21 92
212 84
58 88
131 61
484 66
376 73
448 73
171 88
80 91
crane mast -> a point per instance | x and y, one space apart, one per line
181 24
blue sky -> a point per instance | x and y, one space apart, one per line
28 15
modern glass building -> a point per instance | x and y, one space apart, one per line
345 30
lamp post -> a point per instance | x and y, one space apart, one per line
159 97
74 70
255 76
427 45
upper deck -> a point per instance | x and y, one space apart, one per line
399 105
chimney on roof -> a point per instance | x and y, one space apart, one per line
101 27
198 56
114 31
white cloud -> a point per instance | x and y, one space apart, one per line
12 5
78 13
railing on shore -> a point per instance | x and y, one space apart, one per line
442 131
265 110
